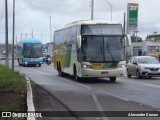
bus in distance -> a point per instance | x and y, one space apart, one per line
29 52
87 49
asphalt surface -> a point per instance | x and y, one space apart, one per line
98 94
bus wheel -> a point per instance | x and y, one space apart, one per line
39 65
75 74
18 62
60 73
112 79
23 63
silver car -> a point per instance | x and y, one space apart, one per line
143 66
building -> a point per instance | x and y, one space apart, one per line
145 48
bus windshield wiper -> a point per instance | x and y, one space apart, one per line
110 53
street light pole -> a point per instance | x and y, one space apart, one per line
92 10
6 34
50 29
13 35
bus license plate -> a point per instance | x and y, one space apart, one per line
106 72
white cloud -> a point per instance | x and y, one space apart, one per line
35 15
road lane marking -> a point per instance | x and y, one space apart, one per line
97 103
152 85
99 107
145 84
83 86
111 94
39 71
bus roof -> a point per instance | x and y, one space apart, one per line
88 22
31 41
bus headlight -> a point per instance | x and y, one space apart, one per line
26 62
86 66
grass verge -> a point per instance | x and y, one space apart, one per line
13 90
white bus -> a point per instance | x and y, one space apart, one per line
87 49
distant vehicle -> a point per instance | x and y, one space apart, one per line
44 56
29 52
87 49
3 55
48 60
143 66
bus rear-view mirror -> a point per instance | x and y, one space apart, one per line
79 41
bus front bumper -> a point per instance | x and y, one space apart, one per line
28 62
117 72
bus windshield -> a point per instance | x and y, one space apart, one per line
102 49
102 29
32 50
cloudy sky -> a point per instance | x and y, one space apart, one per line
35 15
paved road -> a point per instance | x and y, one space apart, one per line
98 94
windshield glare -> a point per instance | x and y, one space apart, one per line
100 49
32 50
148 61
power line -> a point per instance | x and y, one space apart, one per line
2 13
27 34
51 3
148 28
149 23
50 9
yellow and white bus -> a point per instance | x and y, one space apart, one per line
87 49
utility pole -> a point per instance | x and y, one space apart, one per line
16 44
50 29
21 36
92 10
6 33
26 35
111 8
32 33
13 35
50 45
136 34
124 26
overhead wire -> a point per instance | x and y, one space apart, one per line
2 13
51 10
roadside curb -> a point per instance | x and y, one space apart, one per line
30 104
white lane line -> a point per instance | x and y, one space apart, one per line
153 85
111 94
97 103
147 84
99 107
39 71
84 86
